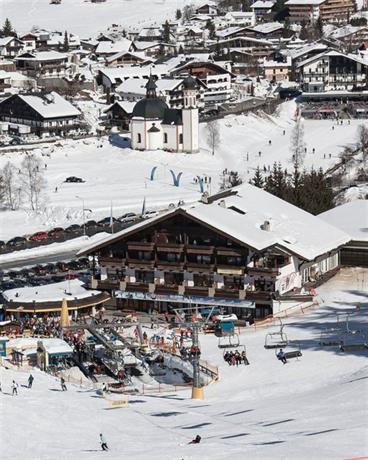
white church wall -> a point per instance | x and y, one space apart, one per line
138 134
190 130
173 133
155 139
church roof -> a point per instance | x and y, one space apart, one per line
153 129
150 108
172 117
190 83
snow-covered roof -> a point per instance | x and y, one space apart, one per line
28 345
6 40
54 292
351 217
123 73
304 2
262 4
107 47
42 56
267 27
295 53
241 215
353 57
50 106
345 31
127 106
137 54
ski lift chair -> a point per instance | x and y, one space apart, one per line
229 341
276 339
354 341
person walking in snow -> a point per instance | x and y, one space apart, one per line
103 442
30 380
14 388
62 383
196 440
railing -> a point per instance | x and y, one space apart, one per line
163 388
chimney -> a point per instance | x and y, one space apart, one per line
266 226
222 203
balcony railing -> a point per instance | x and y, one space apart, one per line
263 270
137 287
196 291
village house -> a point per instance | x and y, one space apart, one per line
119 114
10 47
352 37
111 77
332 71
127 58
231 250
43 64
276 70
40 114
334 11
209 9
262 8
15 82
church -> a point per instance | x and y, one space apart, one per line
155 126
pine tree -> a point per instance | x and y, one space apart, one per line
210 26
7 29
319 28
66 42
257 178
304 33
178 14
166 33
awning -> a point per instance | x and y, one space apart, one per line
195 300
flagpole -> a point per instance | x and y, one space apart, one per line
111 218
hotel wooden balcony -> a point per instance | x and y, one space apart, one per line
169 247
140 246
166 265
200 291
108 285
202 268
272 271
137 287
231 252
196 249
166 290
258 295
224 269
111 261
140 263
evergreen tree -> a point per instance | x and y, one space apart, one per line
178 14
166 33
66 42
257 178
304 34
319 28
7 29
210 26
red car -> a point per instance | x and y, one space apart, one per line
39 236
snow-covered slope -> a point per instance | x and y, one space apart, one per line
312 409
85 18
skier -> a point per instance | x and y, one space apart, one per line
196 440
30 380
14 388
62 383
281 356
104 389
103 442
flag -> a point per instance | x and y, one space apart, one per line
143 207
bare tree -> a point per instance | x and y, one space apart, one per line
363 141
213 135
11 187
32 179
297 144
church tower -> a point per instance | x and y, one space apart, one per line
190 116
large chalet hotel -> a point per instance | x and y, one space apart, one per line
243 249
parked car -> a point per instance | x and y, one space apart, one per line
16 141
91 224
106 221
149 214
51 268
56 232
128 217
39 236
74 179
73 228
62 266
17 241
2 245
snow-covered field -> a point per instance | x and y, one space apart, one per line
122 175
85 18
312 408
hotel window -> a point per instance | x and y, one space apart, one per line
139 138
165 138
180 138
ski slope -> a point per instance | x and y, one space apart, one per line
84 18
122 176
312 409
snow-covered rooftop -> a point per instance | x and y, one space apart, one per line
304 2
352 218
262 4
107 47
69 290
242 214
138 85
29 345
51 106
42 56
267 27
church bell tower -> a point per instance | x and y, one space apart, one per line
190 116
